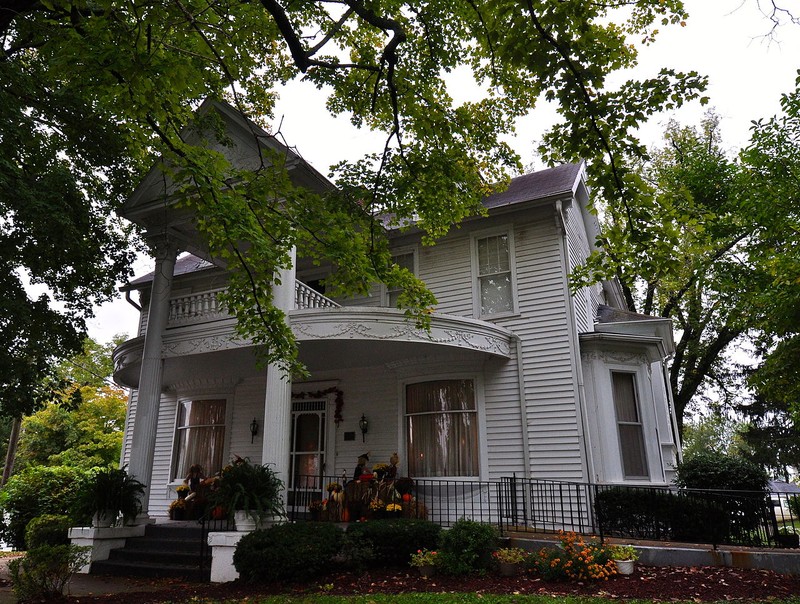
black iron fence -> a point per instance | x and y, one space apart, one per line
524 505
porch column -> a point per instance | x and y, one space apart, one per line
150 386
277 407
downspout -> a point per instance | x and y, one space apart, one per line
130 301
676 437
523 409
588 462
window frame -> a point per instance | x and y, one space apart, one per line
400 251
477 301
637 400
197 397
479 415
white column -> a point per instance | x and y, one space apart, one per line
145 421
277 407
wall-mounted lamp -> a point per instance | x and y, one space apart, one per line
253 430
364 425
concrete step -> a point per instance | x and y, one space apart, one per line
165 550
188 572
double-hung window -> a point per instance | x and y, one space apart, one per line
200 436
442 428
404 260
629 425
494 273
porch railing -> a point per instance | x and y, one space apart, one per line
205 306
535 506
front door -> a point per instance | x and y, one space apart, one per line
307 454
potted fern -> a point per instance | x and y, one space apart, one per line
250 493
109 494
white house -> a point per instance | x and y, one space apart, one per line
517 376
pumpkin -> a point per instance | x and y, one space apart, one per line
407 497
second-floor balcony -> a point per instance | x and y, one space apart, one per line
207 306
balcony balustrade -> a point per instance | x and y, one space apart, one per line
203 307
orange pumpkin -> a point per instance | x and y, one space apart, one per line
345 515
407 497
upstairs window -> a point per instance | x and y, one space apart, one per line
495 286
629 426
200 436
405 260
442 428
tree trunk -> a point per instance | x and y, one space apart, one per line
11 453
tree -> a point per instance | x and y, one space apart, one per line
93 92
713 248
83 426
714 433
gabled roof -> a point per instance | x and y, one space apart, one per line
154 192
551 182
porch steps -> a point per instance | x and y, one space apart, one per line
165 551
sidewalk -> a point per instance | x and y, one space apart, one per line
89 585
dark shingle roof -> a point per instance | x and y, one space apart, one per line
537 185
608 314
183 265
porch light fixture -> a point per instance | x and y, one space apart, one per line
364 425
253 430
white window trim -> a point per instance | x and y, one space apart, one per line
507 230
645 420
204 395
480 410
408 249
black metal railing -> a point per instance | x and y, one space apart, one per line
535 506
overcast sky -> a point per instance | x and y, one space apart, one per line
723 39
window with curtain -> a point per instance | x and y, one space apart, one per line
404 260
442 428
200 436
629 425
495 286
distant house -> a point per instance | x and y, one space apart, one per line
517 375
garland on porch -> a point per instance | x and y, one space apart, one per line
337 414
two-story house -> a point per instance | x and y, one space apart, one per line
517 375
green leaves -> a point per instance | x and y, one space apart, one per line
93 93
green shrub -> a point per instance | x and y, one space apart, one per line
393 541
48 529
467 547
721 472
794 506
44 571
36 491
656 514
287 552
746 509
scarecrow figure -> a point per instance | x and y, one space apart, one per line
362 467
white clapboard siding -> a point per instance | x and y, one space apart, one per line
160 495
125 454
446 270
372 391
247 403
547 359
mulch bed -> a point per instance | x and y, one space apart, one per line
663 584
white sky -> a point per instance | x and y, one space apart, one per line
722 39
